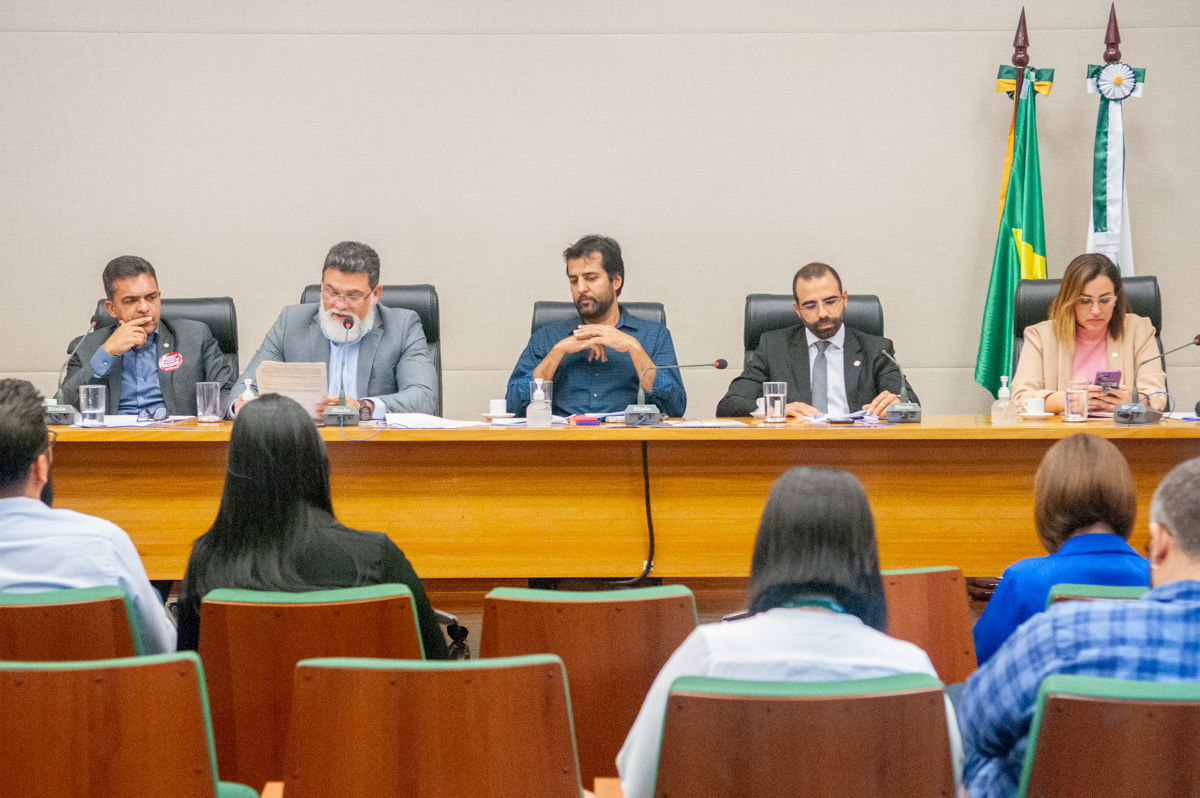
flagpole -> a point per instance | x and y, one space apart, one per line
1020 58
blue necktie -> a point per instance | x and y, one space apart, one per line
820 378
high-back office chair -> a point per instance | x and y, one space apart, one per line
420 298
547 312
613 643
766 312
250 642
724 738
929 608
217 312
1110 737
393 729
108 729
68 625
1031 304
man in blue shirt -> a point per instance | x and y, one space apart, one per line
147 362
1156 638
597 360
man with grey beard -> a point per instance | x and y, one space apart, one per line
380 351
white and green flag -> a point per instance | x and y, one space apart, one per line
1108 225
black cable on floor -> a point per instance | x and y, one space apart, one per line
649 566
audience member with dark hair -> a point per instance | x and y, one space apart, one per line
45 549
1156 638
819 612
1084 506
1088 331
276 530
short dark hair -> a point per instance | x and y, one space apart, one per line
814 271
1081 271
351 257
1082 480
610 255
817 538
123 268
23 433
1176 505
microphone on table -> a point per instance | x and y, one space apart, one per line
642 413
59 411
904 411
1137 413
340 415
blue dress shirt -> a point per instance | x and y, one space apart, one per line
599 386
139 375
349 368
1091 559
1154 639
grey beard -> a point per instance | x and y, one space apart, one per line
335 332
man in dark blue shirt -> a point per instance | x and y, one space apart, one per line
596 361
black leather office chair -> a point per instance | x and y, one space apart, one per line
766 312
421 299
217 312
1031 304
546 312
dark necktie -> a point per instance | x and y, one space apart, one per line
820 378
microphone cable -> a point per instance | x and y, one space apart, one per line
648 566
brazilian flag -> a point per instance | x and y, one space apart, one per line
1021 239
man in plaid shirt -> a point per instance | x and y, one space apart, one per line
1156 638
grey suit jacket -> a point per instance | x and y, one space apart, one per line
782 355
393 361
202 362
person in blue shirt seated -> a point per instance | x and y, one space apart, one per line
1156 638
597 361
1084 506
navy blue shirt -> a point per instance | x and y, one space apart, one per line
1091 559
599 386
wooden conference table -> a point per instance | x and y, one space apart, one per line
494 503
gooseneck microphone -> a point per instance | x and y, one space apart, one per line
904 411
60 411
642 413
340 415
1135 412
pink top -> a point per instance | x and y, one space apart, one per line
1091 355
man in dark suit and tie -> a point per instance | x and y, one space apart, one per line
147 362
829 368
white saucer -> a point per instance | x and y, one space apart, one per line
1035 415
494 416
758 413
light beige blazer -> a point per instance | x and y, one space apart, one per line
1045 366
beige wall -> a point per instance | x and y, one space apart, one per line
722 144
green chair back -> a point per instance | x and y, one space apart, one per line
725 738
108 729
66 625
250 642
391 728
1112 737
1072 592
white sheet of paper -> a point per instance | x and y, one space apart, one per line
304 382
116 422
520 422
426 421
712 423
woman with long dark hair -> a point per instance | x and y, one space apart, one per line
818 612
276 529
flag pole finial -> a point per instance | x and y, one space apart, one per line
1021 43
1112 37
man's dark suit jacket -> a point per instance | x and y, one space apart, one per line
782 355
202 362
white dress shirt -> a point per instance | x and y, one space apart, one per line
46 549
782 645
835 359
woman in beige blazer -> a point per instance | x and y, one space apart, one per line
1090 299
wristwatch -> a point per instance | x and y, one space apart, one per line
366 409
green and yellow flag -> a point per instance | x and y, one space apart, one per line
1021 239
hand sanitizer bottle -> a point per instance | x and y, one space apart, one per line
537 415
1004 409
248 393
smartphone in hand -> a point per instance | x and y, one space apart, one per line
1108 379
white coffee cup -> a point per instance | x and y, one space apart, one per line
759 406
1034 406
497 407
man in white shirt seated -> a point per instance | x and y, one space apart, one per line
45 549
